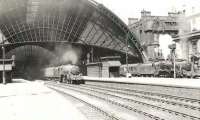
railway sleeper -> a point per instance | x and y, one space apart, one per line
159 108
116 103
92 106
157 94
125 106
160 100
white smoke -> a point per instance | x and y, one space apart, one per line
70 56
67 54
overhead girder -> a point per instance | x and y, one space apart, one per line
32 21
131 37
32 30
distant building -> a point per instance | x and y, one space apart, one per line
149 28
188 39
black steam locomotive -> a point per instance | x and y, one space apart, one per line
155 69
69 74
164 68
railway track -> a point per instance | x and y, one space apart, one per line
118 104
147 97
131 104
106 115
192 110
184 100
155 106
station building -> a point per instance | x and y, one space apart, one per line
149 29
188 39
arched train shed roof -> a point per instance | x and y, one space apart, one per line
73 21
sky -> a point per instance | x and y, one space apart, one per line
125 9
132 8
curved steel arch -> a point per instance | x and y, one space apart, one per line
65 21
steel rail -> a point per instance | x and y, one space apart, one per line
114 103
112 117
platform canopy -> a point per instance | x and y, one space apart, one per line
72 21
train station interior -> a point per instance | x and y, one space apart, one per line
79 60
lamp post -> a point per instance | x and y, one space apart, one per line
173 52
127 67
127 57
174 58
194 59
192 66
3 55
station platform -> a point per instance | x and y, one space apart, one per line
178 82
24 100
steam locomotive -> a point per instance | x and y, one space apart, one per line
156 69
69 74
160 69
187 70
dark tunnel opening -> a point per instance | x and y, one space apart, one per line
30 68
29 61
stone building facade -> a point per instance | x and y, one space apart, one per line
148 29
188 40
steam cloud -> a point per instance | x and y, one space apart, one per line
67 54
70 56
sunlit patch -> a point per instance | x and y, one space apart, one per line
165 40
